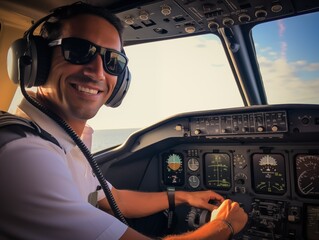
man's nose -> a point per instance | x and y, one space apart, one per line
94 69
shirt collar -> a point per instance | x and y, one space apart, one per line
27 110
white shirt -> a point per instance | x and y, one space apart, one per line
44 189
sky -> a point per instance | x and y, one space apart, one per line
288 55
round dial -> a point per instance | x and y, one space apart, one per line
269 173
193 181
307 169
193 164
240 161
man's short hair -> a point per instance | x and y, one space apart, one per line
52 28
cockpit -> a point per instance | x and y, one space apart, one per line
223 96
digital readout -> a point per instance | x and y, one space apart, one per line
217 171
269 173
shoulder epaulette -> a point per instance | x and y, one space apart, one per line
13 127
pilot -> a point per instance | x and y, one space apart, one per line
48 191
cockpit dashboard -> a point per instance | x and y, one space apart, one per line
264 157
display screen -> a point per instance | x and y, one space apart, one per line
312 222
218 171
173 169
307 171
269 173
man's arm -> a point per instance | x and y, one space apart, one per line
135 204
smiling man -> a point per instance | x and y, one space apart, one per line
78 89
47 190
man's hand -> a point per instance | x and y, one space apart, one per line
201 199
232 213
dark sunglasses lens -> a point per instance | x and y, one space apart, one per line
114 62
80 51
77 51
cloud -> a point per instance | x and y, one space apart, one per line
283 51
281 27
312 67
281 32
283 85
304 65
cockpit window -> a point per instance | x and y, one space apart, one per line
171 77
288 56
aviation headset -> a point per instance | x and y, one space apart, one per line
36 54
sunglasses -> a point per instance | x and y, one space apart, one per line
80 51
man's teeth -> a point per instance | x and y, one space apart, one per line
87 90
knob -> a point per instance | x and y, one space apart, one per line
260 128
197 131
129 20
244 18
305 120
144 15
276 8
213 26
189 28
240 181
274 128
166 10
228 21
178 127
261 14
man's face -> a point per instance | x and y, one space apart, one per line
76 92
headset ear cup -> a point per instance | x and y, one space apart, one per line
15 52
41 61
120 89
36 72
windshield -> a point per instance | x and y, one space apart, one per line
288 56
167 80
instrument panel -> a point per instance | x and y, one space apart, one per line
225 170
265 158
278 187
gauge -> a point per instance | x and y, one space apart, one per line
240 161
193 164
174 162
307 171
173 169
218 171
269 173
193 181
